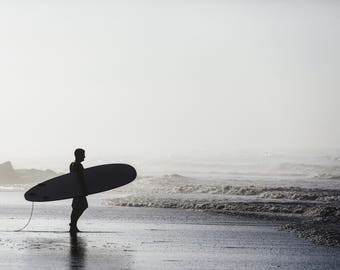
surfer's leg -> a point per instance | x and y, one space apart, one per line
74 218
82 206
79 212
74 215
79 205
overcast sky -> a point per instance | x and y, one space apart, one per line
168 76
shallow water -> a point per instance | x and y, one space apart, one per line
148 238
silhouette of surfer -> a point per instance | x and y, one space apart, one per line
79 204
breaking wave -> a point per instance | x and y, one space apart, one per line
178 184
177 191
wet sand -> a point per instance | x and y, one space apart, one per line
149 238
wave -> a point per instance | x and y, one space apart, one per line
15 187
177 191
315 171
260 208
178 184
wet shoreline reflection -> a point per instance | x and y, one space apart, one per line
77 252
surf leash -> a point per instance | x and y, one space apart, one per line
29 220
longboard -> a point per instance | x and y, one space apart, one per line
97 179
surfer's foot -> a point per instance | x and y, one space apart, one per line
74 228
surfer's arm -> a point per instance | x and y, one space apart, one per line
79 170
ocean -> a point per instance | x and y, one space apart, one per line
188 182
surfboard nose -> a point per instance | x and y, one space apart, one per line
29 196
133 173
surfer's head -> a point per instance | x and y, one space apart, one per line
79 154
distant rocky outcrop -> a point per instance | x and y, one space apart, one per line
9 175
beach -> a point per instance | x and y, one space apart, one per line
241 214
228 111
148 238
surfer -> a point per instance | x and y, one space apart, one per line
79 204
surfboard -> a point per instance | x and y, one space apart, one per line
97 179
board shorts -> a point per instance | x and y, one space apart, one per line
79 203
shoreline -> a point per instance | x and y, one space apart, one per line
146 238
318 223
149 238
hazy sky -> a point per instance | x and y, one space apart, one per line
168 76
